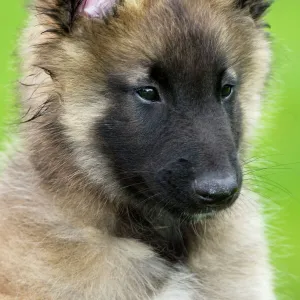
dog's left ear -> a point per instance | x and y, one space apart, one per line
62 14
256 8
59 15
97 8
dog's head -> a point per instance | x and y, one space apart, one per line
153 98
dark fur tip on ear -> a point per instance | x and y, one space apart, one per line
257 8
61 13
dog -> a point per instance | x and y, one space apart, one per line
127 181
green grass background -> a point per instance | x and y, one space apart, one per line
278 146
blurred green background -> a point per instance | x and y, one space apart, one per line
275 162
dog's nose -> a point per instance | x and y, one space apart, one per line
216 191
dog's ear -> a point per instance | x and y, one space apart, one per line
62 14
256 8
97 8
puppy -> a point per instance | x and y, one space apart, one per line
127 183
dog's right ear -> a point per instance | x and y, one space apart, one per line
61 15
256 8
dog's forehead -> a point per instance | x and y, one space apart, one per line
169 35
189 41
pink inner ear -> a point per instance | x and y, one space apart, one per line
96 8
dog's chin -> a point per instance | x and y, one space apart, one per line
198 217
160 213
159 210
188 216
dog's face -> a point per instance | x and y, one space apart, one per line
156 97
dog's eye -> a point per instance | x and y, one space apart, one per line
226 91
148 94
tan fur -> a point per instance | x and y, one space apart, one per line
57 239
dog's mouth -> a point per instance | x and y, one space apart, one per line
178 203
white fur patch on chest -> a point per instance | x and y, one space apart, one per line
181 286
174 295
